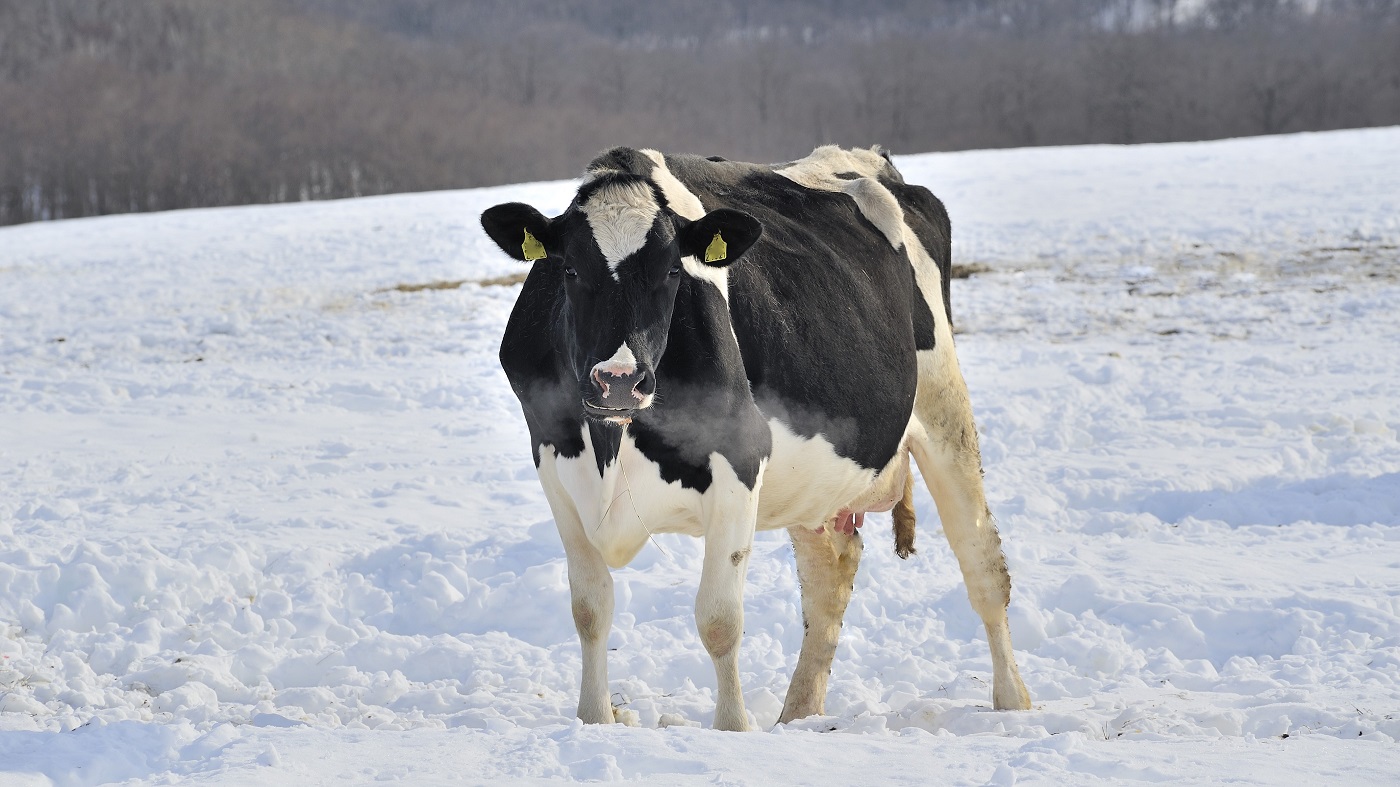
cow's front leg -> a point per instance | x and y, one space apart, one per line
591 589
719 606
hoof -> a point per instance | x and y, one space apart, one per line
1011 697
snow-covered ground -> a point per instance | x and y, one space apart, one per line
266 519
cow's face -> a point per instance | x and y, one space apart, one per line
623 255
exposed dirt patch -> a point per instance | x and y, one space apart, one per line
495 281
432 285
505 281
967 270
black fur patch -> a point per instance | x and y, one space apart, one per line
623 160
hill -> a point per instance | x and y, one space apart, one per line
268 514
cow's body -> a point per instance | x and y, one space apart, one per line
785 391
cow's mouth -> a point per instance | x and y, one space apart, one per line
612 414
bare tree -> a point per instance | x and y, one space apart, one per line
110 107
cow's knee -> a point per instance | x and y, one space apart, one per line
720 634
589 620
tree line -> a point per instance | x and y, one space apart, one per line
115 106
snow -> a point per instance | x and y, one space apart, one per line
265 519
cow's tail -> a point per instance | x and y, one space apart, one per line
904 519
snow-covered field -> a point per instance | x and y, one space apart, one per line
266 519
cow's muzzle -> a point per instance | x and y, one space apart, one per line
616 391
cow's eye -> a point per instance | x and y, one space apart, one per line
675 270
569 271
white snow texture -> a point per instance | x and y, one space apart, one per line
265 519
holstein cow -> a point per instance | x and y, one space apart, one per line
711 347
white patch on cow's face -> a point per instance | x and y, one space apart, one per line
624 361
620 216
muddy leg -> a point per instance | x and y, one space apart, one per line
949 459
826 569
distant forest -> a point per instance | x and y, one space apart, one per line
115 106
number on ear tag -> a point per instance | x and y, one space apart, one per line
534 250
717 250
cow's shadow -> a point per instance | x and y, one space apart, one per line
1341 500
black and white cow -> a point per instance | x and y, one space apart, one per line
711 347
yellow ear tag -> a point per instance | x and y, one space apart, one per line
717 250
534 250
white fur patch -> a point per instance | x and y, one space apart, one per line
716 276
806 482
624 361
879 206
686 205
621 509
876 203
930 283
818 170
681 199
621 215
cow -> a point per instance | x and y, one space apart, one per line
712 347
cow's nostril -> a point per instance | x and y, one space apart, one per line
599 383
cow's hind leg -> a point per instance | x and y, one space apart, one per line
826 569
951 464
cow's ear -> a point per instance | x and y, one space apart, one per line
719 238
519 230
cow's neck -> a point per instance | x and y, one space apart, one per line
702 396
702 353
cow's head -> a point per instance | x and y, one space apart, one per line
623 254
